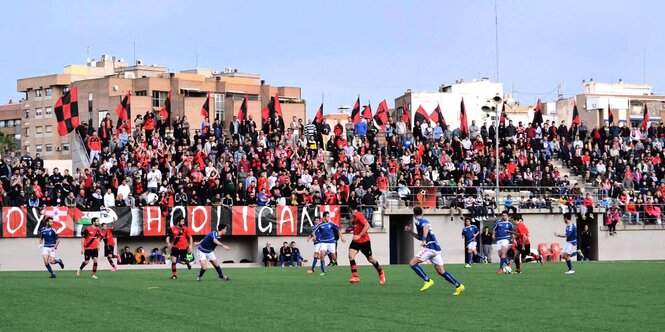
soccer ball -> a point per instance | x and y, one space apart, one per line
507 269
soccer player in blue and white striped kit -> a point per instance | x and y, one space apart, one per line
570 249
48 238
206 251
431 252
325 233
502 230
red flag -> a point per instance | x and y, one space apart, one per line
645 120
367 112
165 111
610 116
437 117
242 114
205 110
576 115
277 107
537 115
464 127
381 116
503 115
318 118
421 116
355 113
67 112
265 112
124 113
406 116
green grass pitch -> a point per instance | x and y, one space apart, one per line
617 296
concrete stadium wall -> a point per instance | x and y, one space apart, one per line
391 245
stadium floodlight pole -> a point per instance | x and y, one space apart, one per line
497 118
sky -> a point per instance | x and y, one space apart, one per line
337 50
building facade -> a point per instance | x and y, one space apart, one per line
625 101
102 84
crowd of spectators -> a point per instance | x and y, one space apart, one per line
174 163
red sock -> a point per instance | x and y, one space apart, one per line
173 268
354 269
94 268
378 267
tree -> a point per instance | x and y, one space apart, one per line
7 142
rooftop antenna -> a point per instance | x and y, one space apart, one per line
87 52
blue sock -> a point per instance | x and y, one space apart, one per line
219 270
420 272
501 262
58 261
469 258
48 267
323 265
201 272
570 264
449 277
316 260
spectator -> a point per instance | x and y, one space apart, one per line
156 257
285 253
486 238
139 256
297 257
586 242
127 257
269 256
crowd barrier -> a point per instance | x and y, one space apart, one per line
21 222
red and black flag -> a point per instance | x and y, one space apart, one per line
645 120
367 112
537 115
242 114
381 116
165 112
205 110
502 120
437 117
421 116
355 112
124 112
609 114
272 110
576 115
318 118
463 125
67 112
406 116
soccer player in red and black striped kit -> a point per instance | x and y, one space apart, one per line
179 239
90 246
109 245
361 243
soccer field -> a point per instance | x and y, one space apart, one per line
601 296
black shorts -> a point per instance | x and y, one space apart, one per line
179 253
108 250
526 251
90 253
364 247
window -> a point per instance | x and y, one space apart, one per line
10 123
65 147
219 107
48 129
64 90
17 122
142 93
27 114
39 130
158 98
2 124
38 148
38 93
49 147
49 112
48 92
38 113
27 132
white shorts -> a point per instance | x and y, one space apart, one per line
472 245
48 251
433 256
317 247
329 247
502 243
569 248
202 256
